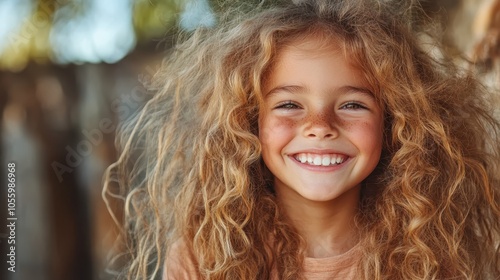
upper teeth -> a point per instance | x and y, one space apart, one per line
324 160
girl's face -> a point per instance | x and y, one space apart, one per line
320 127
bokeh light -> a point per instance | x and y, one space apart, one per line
102 32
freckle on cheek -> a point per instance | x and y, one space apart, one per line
287 123
346 125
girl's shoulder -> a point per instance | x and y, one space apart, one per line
180 262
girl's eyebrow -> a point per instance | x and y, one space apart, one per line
294 89
289 89
353 89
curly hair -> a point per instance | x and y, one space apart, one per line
191 163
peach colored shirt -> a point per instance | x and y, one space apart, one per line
180 264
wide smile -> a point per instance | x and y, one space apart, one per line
320 159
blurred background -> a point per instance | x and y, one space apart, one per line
71 71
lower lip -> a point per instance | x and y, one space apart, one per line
320 168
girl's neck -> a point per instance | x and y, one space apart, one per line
327 227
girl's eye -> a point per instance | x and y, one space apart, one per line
288 105
352 106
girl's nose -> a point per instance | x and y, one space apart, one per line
321 125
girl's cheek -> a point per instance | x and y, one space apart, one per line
284 123
274 126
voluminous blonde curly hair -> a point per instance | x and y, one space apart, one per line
191 163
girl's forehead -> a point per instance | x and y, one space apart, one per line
317 46
315 41
312 46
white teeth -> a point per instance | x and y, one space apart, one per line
317 160
334 159
325 161
320 160
302 158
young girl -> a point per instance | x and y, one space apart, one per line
312 140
